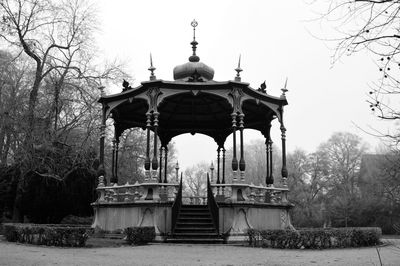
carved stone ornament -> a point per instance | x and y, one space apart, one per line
236 95
153 94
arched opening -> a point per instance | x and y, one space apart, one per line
196 154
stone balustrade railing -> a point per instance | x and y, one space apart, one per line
135 192
250 193
166 192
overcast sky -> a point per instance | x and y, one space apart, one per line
276 40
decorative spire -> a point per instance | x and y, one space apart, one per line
238 70
194 43
151 69
284 90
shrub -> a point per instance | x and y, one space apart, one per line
47 234
317 238
72 219
140 235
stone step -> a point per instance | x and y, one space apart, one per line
195 235
193 224
194 211
192 214
195 230
196 241
194 206
195 219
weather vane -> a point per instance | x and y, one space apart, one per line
194 57
194 23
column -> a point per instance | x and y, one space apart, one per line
218 168
271 166
268 176
242 163
284 169
154 162
223 165
112 179
147 160
102 136
116 160
160 168
218 164
165 163
234 159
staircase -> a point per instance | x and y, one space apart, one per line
194 224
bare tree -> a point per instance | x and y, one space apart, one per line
195 179
57 37
372 25
343 153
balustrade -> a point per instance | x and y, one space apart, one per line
167 192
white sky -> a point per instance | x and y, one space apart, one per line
275 42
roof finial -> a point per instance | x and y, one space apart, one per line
284 90
194 43
151 69
238 70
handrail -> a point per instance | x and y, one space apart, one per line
212 205
176 206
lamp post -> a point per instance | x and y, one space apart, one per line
212 171
177 172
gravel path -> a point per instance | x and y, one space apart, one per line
179 254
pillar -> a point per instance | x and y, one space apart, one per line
234 158
112 179
242 163
116 160
147 160
165 163
160 168
223 165
102 136
271 165
284 169
268 176
218 164
154 162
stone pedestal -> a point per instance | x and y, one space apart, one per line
151 192
238 192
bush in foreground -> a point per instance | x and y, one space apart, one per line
72 219
47 234
318 238
140 235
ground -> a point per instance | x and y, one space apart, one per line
180 254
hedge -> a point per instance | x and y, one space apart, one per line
140 235
47 234
316 238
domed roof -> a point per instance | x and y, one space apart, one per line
194 70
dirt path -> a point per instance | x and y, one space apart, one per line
168 254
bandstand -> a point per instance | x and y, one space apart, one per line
193 103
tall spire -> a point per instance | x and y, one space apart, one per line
238 70
151 69
194 43
284 89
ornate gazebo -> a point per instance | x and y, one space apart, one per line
193 103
